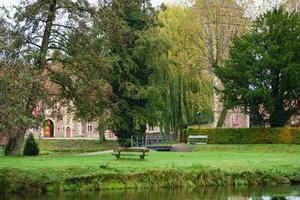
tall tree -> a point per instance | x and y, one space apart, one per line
83 74
262 73
38 27
185 88
220 21
127 23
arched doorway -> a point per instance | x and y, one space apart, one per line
48 128
68 132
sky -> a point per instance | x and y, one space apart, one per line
14 2
155 3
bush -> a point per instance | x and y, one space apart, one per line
31 147
124 142
248 135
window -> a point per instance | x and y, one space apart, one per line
90 128
151 128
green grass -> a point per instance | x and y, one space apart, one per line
225 157
72 146
253 148
217 164
1 151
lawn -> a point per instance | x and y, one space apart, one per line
224 157
247 148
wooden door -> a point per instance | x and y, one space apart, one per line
68 132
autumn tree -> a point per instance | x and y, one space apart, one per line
220 21
292 5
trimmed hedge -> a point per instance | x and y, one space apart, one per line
248 135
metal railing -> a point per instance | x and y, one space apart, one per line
148 140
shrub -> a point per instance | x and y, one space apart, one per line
124 142
31 147
248 135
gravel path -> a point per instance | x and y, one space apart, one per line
182 147
96 153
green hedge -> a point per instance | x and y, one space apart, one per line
248 135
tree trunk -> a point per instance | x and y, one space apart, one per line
222 118
101 134
180 110
181 135
280 116
15 142
47 33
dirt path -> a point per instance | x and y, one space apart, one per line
96 153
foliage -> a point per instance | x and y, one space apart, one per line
184 87
34 31
31 147
171 178
219 21
249 135
18 93
82 73
15 82
292 5
127 25
262 73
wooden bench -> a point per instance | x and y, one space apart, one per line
132 151
198 137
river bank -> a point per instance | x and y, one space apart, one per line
207 193
19 181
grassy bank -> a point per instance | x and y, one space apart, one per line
207 165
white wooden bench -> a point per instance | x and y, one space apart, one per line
198 137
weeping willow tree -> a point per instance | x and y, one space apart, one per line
185 88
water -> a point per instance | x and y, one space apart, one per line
231 193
